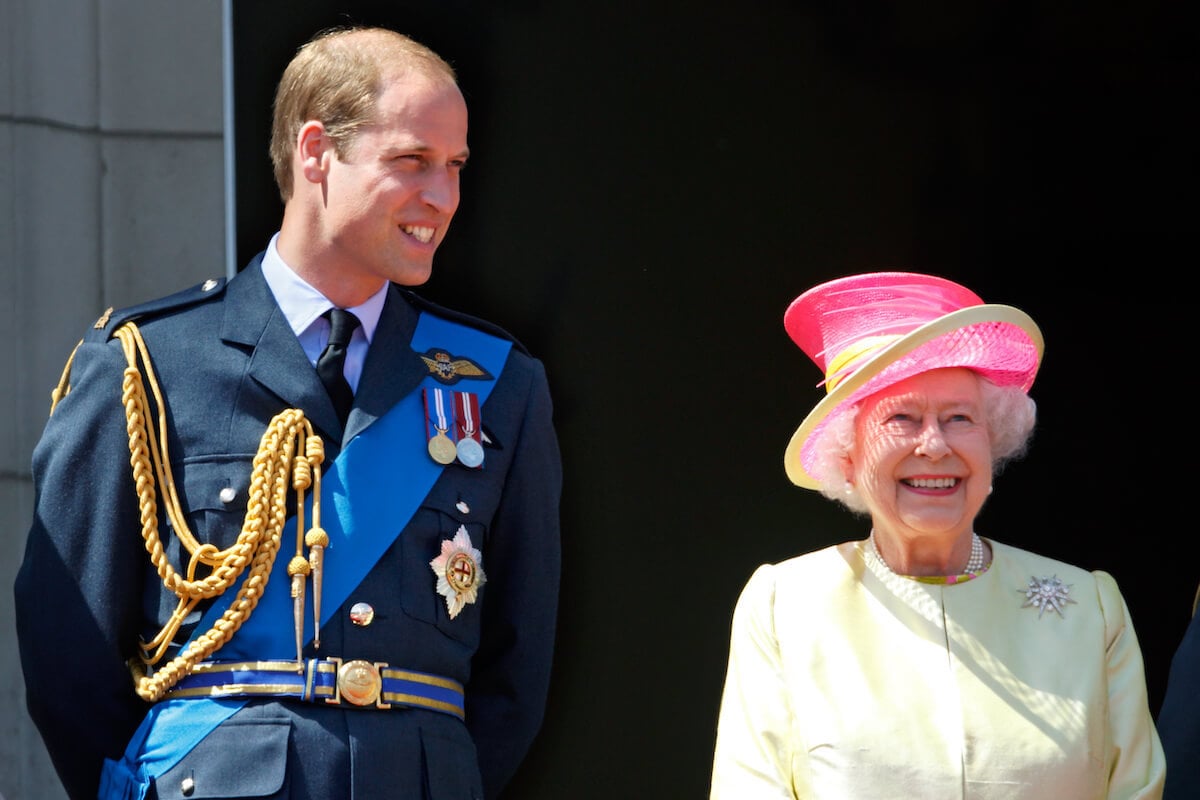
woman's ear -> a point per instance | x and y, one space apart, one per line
848 469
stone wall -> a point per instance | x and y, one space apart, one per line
111 192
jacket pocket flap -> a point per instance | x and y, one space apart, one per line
234 760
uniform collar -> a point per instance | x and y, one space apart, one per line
302 305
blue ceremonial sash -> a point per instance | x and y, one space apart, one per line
364 507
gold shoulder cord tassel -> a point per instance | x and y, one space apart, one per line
305 475
276 465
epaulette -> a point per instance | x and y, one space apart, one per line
112 319
459 316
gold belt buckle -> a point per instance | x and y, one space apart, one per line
360 683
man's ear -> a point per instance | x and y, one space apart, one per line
314 149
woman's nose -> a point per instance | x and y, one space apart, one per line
932 444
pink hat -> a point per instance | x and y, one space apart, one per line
867 332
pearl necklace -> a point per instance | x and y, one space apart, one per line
975 564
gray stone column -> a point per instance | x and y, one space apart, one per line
111 192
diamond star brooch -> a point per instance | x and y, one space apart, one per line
1046 593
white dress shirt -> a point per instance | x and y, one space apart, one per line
302 306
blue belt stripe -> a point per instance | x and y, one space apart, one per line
316 682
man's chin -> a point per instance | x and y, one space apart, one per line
413 275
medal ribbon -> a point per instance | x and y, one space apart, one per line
441 426
466 404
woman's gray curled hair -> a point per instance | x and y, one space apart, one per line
1011 416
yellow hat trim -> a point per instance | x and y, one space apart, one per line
836 371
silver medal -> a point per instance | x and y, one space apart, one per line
470 452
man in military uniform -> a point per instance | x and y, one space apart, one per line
230 590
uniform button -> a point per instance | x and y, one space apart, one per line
228 494
463 507
187 786
362 614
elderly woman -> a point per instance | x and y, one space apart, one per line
926 661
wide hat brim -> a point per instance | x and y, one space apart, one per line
851 388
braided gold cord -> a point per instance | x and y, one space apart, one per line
64 381
276 468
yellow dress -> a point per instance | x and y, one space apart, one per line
847 682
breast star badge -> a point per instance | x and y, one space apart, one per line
459 571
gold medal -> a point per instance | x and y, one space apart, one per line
442 449
438 422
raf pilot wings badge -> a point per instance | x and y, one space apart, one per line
450 369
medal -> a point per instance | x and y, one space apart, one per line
441 446
442 449
470 451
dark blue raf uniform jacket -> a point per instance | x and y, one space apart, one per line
227 362
1179 720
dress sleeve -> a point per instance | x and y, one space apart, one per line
1138 766
753 756
77 608
510 674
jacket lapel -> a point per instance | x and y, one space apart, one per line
277 361
392 370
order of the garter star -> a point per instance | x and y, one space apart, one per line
459 571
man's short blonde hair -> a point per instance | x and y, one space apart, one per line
336 78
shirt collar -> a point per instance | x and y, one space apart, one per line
302 305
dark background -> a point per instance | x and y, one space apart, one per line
651 185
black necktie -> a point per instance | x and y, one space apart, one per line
331 364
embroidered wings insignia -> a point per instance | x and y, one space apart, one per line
450 369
